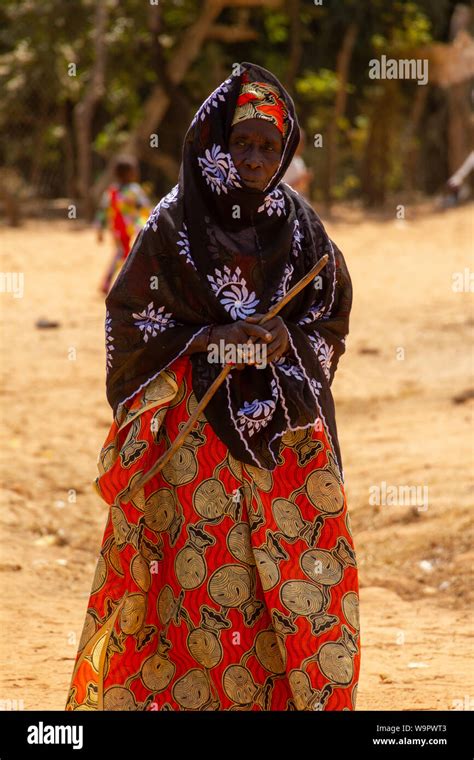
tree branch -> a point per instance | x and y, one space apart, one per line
225 33
84 110
157 103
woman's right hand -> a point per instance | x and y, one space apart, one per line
237 334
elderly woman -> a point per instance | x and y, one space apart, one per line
229 580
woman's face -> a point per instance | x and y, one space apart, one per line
256 147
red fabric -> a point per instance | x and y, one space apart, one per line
275 110
118 223
204 602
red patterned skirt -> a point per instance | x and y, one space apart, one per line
219 586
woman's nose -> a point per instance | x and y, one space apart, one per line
253 158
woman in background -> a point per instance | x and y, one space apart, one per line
124 208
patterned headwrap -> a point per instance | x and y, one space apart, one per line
261 100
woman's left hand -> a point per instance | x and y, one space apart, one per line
279 343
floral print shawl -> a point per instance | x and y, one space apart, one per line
214 251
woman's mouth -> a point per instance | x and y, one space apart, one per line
252 181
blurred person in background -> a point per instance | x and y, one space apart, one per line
124 209
458 186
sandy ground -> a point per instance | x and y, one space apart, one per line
397 422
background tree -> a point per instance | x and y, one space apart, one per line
85 79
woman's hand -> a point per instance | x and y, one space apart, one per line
279 343
240 332
273 335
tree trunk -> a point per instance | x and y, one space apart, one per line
459 126
342 69
84 110
378 151
296 48
409 139
155 107
69 167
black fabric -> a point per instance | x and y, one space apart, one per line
213 252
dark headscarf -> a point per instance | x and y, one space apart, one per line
215 251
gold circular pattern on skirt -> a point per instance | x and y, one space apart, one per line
210 499
230 585
140 572
88 630
301 597
263 479
350 608
301 688
114 559
192 690
269 647
160 510
190 567
205 647
336 663
234 466
100 575
324 491
321 566
119 698
157 672
287 517
239 685
121 526
267 569
132 615
238 541
166 605
181 468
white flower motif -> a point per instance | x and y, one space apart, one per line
108 341
212 101
257 414
233 175
324 352
315 386
232 291
165 202
289 369
297 239
183 245
273 203
218 169
151 321
283 286
315 312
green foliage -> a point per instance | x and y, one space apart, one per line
276 27
40 44
317 85
405 27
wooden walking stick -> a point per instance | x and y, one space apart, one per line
160 463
